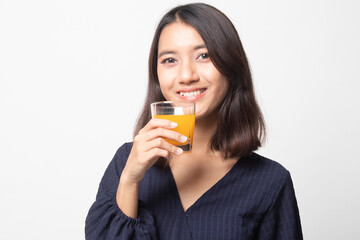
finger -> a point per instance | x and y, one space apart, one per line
162 144
159 152
163 133
156 123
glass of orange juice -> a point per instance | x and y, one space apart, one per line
183 113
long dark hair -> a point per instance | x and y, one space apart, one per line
240 124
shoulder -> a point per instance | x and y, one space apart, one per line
124 150
261 180
121 156
263 173
261 166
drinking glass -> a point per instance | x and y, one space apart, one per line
183 113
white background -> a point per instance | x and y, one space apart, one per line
73 76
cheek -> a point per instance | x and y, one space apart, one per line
161 80
163 90
222 91
164 78
224 88
164 87
167 79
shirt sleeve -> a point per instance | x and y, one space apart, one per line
282 221
105 219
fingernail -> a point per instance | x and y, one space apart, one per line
173 124
179 151
183 138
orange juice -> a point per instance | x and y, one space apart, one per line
186 124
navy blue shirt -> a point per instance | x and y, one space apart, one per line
254 200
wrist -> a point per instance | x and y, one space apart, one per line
126 179
127 196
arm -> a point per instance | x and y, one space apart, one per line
148 146
282 221
117 213
105 220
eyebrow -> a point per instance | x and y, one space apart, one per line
173 52
200 46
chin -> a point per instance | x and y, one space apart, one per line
200 115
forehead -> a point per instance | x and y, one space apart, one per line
179 34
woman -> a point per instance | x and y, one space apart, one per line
221 190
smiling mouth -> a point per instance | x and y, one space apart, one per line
192 93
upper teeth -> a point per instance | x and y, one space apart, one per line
194 93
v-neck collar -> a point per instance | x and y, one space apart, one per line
207 192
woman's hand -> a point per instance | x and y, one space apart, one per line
147 147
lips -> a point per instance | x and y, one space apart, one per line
191 94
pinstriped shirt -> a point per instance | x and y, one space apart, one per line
254 200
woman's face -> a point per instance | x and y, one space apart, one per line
186 72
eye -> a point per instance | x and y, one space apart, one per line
168 61
204 56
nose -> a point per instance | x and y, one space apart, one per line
188 73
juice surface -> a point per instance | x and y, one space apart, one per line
186 124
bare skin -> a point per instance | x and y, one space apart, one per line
196 172
148 146
184 66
